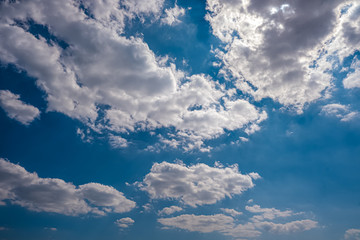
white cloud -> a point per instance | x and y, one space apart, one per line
170 210
199 223
232 212
273 51
290 227
227 226
17 109
195 185
102 71
352 80
340 111
124 222
352 234
28 190
172 15
267 213
117 141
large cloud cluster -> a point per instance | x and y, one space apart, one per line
38 194
284 50
90 71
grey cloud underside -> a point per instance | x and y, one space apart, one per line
28 190
102 70
284 50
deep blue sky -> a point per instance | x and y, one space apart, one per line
186 114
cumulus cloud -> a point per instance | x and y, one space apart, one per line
172 15
340 111
197 184
112 82
170 210
17 109
124 222
283 50
227 226
352 234
28 190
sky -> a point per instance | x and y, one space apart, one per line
163 119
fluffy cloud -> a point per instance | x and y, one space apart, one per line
55 195
267 213
91 72
340 111
197 184
290 227
117 141
227 226
352 234
170 210
199 223
282 50
172 15
17 109
124 222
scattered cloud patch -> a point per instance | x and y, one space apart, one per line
28 190
197 184
17 109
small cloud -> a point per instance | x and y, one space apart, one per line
231 212
170 210
117 141
172 15
124 222
342 112
17 109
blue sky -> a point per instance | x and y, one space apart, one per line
217 119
